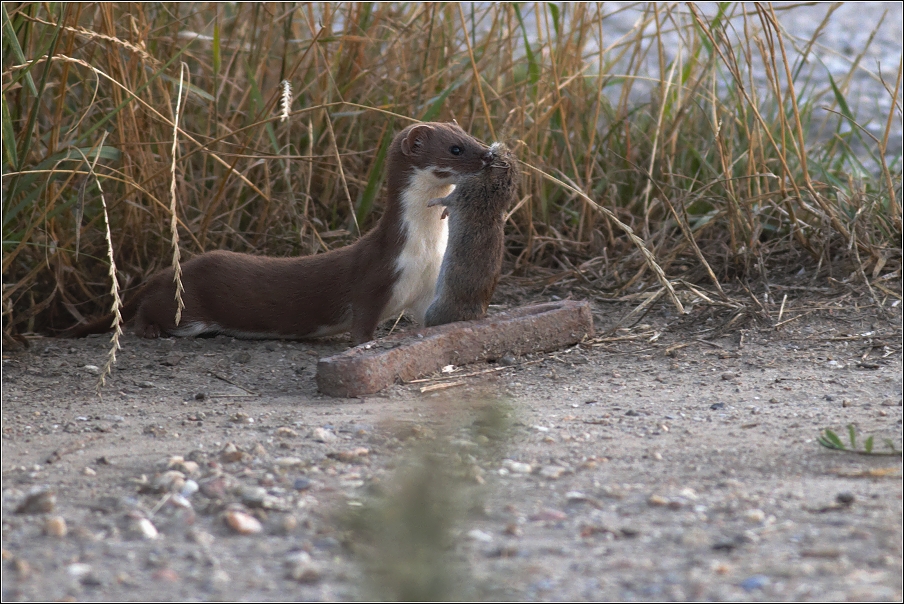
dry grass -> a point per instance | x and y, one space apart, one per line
696 165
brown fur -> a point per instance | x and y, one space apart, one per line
473 259
309 296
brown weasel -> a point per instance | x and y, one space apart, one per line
473 259
392 268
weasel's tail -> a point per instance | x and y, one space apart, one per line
105 323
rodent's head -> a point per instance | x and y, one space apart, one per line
443 148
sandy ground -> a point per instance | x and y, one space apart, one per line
664 461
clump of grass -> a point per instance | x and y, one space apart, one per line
688 145
404 536
403 539
830 440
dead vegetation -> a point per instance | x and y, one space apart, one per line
723 163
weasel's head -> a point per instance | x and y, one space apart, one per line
443 149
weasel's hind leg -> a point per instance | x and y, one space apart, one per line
145 327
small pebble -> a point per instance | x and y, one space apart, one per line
242 523
40 500
214 488
754 515
200 537
286 432
188 468
219 579
350 455
78 570
301 484
166 574
717 406
55 526
179 501
479 535
189 489
300 567
549 515
658 500
283 463
22 567
241 418
146 529
231 454
288 524
254 497
322 435
508 360
845 498
552 472
754 582
517 467
89 471
688 493
171 481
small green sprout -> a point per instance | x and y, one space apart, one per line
830 440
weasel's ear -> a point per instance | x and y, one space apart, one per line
416 139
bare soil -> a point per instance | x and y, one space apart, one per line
673 460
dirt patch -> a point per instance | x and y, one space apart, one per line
656 462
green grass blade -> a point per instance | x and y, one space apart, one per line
257 104
190 88
830 440
12 41
554 12
35 108
372 188
9 136
852 435
839 98
217 57
533 68
436 103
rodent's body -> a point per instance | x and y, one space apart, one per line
473 259
392 268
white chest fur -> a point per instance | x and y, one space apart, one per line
425 243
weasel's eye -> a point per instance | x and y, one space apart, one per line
456 150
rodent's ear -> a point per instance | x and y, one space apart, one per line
417 138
